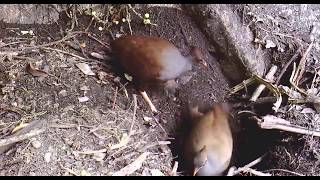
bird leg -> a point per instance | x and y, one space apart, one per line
147 99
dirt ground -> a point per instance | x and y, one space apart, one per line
81 138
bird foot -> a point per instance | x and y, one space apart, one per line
150 104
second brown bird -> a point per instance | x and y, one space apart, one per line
209 145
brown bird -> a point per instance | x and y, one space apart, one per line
208 146
150 61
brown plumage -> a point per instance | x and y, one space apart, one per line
150 60
208 146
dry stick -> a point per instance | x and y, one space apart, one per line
261 87
240 86
233 172
103 44
64 52
86 30
134 113
284 170
255 172
71 35
302 64
12 43
89 152
286 127
115 98
287 65
175 168
15 139
128 20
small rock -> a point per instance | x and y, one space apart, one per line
32 174
36 144
47 157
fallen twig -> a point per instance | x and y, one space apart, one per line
284 170
287 65
155 144
89 152
134 113
115 98
281 124
261 87
274 89
69 36
242 85
64 52
302 64
175 168
234 171
15 139
131 168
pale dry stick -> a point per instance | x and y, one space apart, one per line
284 170
69 36
302 64
67 126
131 168
128 20
100 42
138 14
134 113
89 152
242 85
15 139
148 101
286 127
115 98
292 81
287 65
175 168
12 43
233 171
155 144
272 88
69 170
86 30
255 172
261 87
64 52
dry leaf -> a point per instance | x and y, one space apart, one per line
131 168
35 72
85 68
20 126
124 141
